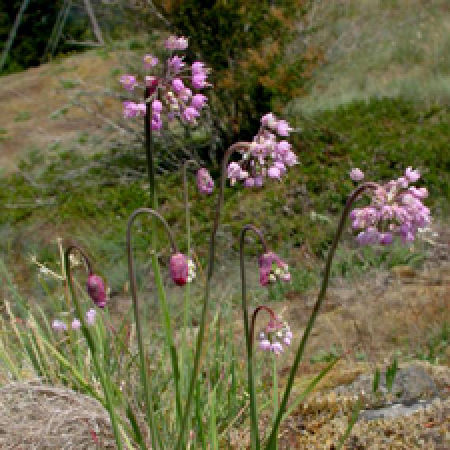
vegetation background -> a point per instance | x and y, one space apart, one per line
366 83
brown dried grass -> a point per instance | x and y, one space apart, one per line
34 415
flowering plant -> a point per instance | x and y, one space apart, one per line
171 88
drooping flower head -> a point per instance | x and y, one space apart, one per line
179 269
205 183
276 335
265 156
96 290
272 268
395 209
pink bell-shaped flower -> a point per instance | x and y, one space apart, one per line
179 269
96 290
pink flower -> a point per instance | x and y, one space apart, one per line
205 183
76 324
198 101
174 43
176 63
129 110
185 95
412 175
96 290
199 81
249 182
198 67
178 268
274 172
157 106
189 114
269 121
59 325
283 148
156 122
276 334
90 316
177 85
151 82
150 61
283 128
271 268
356 174
128 82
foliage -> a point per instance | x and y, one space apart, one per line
245 43
34 31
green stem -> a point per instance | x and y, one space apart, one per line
249 336
201 331
101 374
275 392
168 330
272 438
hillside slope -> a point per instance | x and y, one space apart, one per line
378 48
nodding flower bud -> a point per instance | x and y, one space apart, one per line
271 268
205 183
96 290
179 269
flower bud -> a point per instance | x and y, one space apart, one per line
96 290
179 269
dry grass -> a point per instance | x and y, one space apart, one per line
38 416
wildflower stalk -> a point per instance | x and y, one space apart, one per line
249 336
201 331
166 315
87 334
188 232
353 197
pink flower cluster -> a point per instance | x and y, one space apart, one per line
170 92
396 209
60 325
265 156
272 268
276 335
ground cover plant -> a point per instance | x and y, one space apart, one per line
395 212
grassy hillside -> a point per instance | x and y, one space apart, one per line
378 48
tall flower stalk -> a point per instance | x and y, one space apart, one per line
179 273
271 443
96 291
248 336
258 152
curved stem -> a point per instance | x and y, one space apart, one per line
133 288
255 313
248 335
201 331
87 334
272 438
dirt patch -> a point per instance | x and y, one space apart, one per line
38 109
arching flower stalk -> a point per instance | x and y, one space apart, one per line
276 331
386 208
179 271
96 291
277 334
243 148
